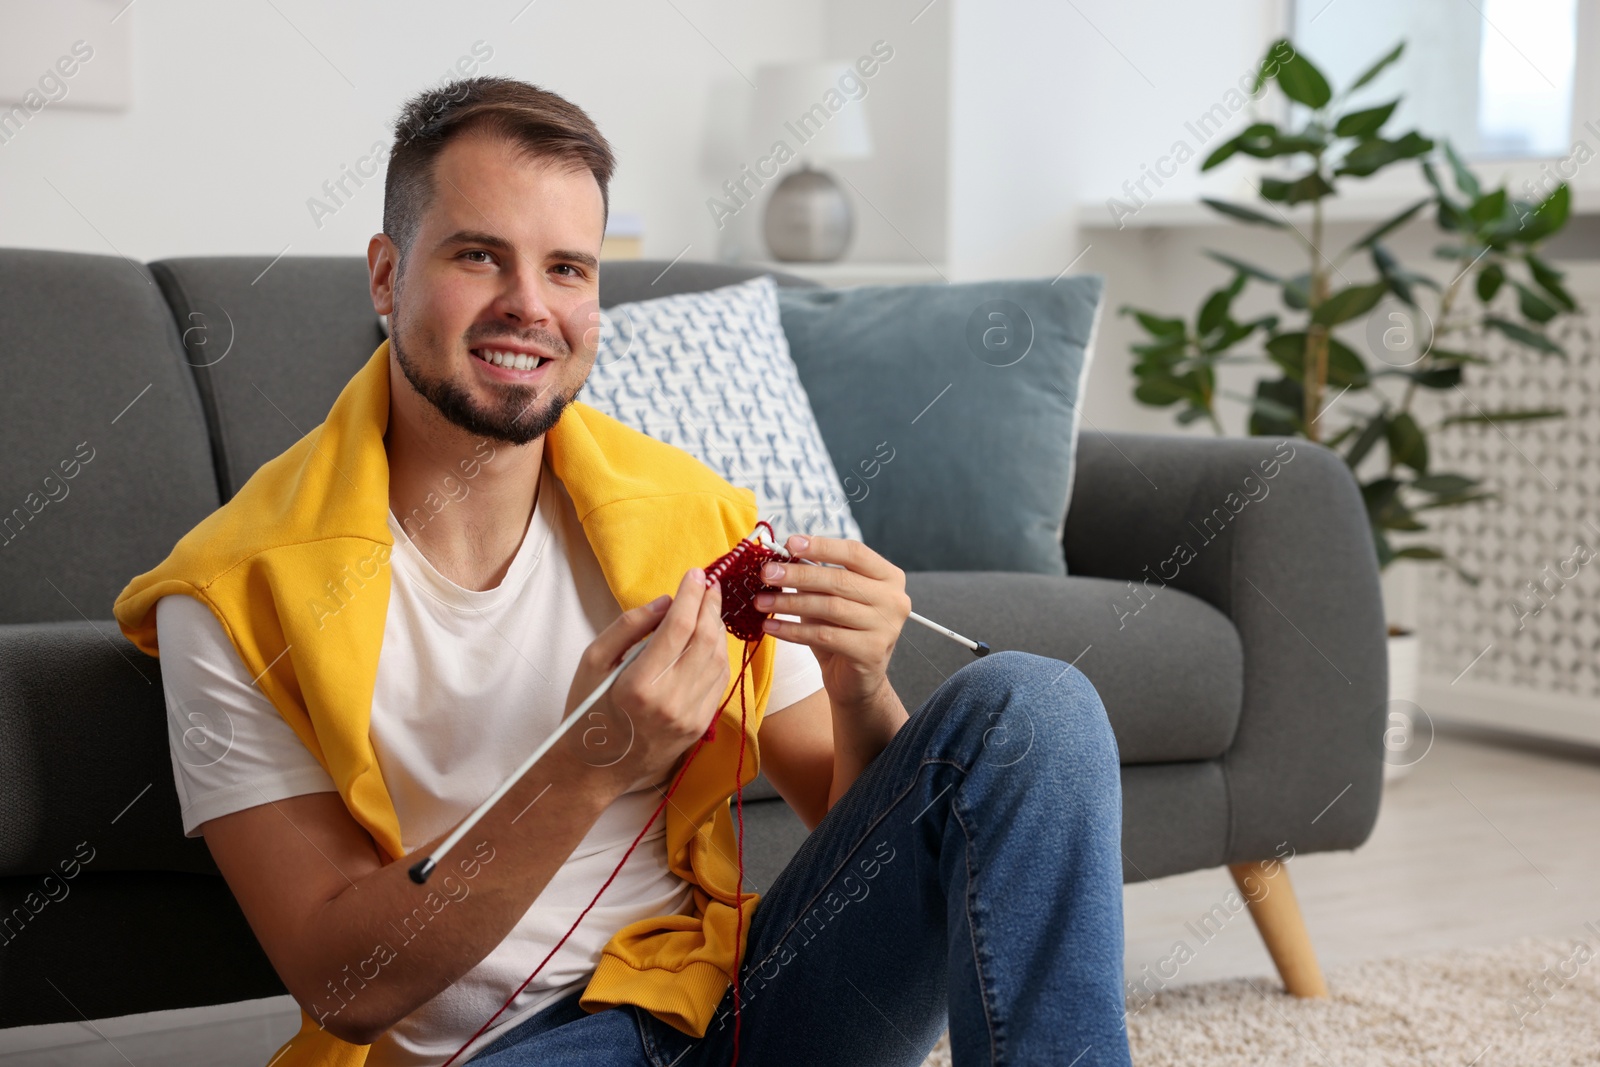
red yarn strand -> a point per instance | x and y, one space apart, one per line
740 616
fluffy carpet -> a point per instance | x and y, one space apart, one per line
1535 1002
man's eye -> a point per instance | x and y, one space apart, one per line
476 252
567 267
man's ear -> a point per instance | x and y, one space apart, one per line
383 266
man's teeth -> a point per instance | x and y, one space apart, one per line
514 360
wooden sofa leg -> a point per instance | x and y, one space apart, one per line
1266 889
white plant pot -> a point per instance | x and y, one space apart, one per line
1407 730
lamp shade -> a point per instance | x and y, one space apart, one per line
817 108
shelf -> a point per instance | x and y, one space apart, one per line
846 273
1184 214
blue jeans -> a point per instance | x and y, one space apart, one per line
971 877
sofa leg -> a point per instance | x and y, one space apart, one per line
1266 889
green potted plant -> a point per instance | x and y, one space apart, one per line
1318 383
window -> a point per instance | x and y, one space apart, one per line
1494 76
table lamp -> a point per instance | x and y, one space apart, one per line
817 110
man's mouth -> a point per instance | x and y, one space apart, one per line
508 359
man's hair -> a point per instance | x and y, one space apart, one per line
538 122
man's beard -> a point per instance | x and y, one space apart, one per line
515 420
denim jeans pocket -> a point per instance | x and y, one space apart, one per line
666 1046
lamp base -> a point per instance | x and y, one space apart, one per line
808 219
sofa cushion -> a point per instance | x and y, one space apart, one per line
1170 672
271 344
623 281
971 391
710 373
106 458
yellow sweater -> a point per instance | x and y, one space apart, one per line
316 517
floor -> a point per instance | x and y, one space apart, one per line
1485 840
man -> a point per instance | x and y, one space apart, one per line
390 616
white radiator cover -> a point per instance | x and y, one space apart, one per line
1521 651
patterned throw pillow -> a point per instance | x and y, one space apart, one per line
710 373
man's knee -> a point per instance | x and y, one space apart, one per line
1035 705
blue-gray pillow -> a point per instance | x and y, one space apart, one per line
951 412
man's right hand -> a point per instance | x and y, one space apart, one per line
664 700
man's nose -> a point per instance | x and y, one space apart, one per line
525 302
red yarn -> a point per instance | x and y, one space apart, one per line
739 573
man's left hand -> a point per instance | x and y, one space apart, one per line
850 615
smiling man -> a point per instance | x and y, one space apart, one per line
511 543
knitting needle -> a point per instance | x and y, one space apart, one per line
979 648
424 867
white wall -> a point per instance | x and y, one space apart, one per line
993 123
1055 105
237 119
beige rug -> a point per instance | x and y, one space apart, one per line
1534 1003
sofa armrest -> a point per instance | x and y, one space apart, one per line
84 759
1270 531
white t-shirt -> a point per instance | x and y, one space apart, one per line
469 683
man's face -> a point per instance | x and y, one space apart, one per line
495 314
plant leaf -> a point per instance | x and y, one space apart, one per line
1242 213
1533 306
1549 279
1162 352
1159 392
1491 418
1376 153
1548 217
1523 335
1345 366
1454 500
1275 411
1250 134
1433 377
1378 495
1407 445
1365 123
1389 268
1244 268
1394 223
1297 292
1302 82
1312 186
1490 279
1381 543
1377 68
1214 311
1280 51
1445 484
1155 325
1440 355
1346 304
1234 332
1375 429
1488 207
1465 180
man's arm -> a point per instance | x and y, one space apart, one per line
797 755
324 900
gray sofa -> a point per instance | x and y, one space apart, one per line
1247 694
